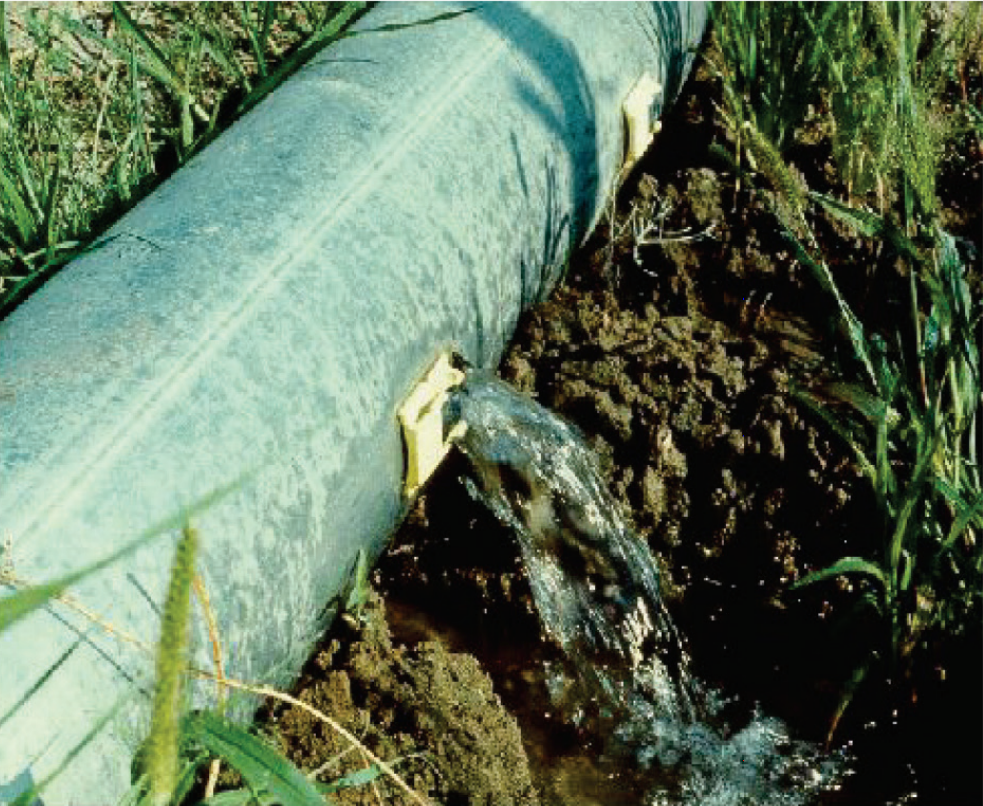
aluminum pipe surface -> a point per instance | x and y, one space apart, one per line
255 323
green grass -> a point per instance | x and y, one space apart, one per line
100 101
913 420
906 396
875 74
181 742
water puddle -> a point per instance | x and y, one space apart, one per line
627 679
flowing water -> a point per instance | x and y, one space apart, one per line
596 587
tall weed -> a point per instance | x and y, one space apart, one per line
906 399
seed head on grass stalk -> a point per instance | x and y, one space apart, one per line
769 66
163 743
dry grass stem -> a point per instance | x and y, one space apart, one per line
201 592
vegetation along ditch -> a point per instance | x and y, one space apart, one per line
771 345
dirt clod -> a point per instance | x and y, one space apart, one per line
431 714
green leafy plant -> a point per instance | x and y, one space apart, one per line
96 107
182 66
771 65
906 400
32 163
872 72
913 426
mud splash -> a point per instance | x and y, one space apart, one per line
596 587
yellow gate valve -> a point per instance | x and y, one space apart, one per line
640 124
422 420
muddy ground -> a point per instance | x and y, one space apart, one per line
677 361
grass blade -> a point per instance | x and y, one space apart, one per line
401 26
50 236
32 796
332 30
816 406
851 324
260 765
845 699
240 797
966 512
914 495
18 605
156 62
868 224
18 213
40 682
846 565
871 407
354 779
257 39
6 66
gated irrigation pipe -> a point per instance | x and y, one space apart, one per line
260 326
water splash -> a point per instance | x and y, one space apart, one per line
596 586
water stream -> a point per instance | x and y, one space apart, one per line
596 587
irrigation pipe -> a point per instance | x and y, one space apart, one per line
270 307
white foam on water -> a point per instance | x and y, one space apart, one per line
596 586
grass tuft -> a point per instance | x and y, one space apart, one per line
101 101
906 397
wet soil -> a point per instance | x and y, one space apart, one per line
678 360
432 714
